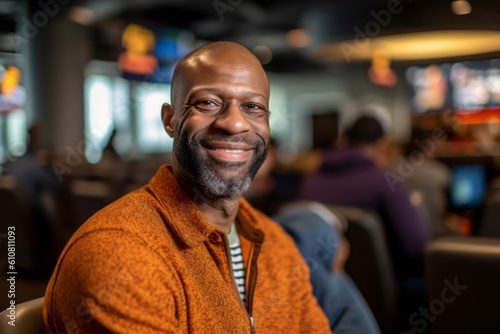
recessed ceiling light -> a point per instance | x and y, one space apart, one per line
461 7
264 54
81 15
298 38
413 46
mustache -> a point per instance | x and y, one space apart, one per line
230 139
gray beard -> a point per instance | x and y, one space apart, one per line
212 183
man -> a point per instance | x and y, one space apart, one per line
157 260
353 176
35 257
430 178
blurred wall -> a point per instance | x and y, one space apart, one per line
56 57
345 91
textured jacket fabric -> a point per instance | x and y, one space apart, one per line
150 263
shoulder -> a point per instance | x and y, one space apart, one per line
130 231
137 214
105 272
128 238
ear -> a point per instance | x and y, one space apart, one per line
167 116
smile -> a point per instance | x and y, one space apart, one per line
229 154
230 151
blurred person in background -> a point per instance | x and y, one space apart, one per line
428 179
274 185
37 180
353 175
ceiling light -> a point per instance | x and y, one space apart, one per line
380 73
81 15
413 46
264 54
461 7
298 38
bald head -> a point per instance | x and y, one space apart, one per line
208 60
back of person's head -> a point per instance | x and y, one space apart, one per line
366 130
418 135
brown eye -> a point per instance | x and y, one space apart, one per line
255 108
207 105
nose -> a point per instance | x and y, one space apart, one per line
232 120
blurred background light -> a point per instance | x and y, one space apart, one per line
298 38
264 54
461 7
413 46
81 15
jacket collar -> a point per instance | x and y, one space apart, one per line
186 221
248 223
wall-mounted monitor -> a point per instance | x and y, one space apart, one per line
431 89
149 53
468 186
475 85
471 89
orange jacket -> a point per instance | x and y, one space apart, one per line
150 263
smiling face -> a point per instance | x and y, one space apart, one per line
219 119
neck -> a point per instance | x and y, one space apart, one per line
218 211
373 152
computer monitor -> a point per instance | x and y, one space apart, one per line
468 186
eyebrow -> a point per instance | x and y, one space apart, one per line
220 91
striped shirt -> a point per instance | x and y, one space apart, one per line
237 261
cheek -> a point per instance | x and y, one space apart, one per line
190 125
261 128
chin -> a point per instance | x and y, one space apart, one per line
222 185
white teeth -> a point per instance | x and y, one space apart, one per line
230 151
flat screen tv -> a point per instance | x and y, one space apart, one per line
468 186
149 53
467 88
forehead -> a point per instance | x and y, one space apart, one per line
233 77
228 72
223 70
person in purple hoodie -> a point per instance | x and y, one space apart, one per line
352 175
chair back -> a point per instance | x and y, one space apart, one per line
370 264
462 275
15 204
490 222
88 197
28 318
17 211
